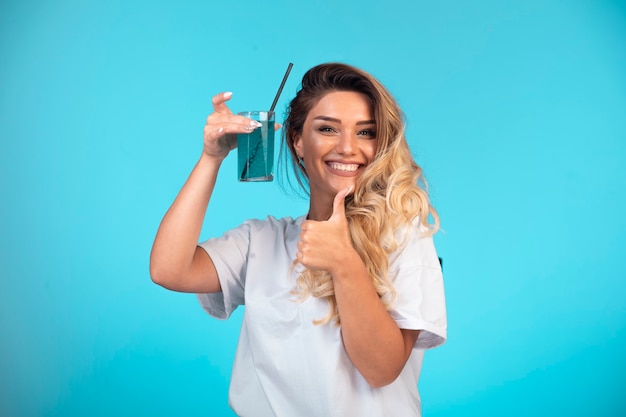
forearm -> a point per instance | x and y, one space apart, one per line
177 237
375 344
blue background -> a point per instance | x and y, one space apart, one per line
516 110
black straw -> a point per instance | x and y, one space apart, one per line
282 84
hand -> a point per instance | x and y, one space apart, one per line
327 245
222 127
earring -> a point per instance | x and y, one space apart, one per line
300 160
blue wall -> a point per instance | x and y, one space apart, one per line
516 110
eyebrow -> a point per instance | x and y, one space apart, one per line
332 119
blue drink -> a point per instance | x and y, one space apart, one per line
255 150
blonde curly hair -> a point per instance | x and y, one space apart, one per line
390 194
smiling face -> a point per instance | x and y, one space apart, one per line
338 141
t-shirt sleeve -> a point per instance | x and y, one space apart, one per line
229 254
420 301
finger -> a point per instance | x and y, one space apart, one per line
240 124
339 208
213 133
232 123
231 141
219 102
277 126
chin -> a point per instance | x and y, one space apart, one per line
343 185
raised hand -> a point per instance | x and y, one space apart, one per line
326 245
222 127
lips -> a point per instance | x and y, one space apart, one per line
339 166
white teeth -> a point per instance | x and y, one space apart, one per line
343 167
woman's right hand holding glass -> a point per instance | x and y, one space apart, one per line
222 127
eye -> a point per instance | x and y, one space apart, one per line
370 133
326 129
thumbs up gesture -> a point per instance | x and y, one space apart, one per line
324 245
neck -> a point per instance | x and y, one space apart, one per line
320 210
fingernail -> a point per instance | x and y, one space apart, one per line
228 94
255 124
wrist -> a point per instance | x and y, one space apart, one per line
349 265
210 160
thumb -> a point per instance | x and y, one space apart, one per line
339 208
219 102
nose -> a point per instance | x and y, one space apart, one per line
346 143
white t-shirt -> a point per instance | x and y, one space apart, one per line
287 366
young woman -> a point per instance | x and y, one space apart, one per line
341 302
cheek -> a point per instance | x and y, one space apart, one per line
314 145
370 151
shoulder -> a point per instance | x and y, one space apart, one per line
272 224
416 247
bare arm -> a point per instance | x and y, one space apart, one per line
377 347
176 262
373 340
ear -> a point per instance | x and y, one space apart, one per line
297 143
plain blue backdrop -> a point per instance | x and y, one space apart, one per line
516 110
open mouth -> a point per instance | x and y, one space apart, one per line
338 166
